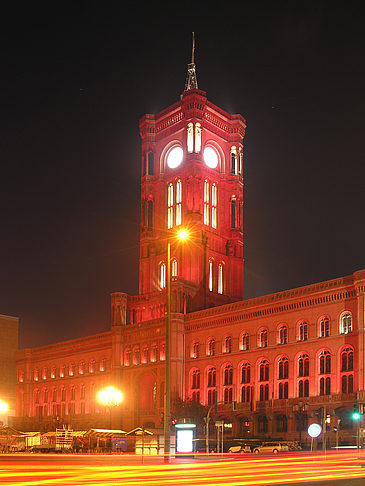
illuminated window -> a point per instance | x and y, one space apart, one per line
145 355
324 327
228 344
211 347
303 331
81 368
71 369
21 376
53 372
92 366
283 335
263 338
210 278
195 350
234 161
82 392
170 206
102 366
220 278
206 202
136 355
44 373
245 341
346 323
174 267
198 137
178 202
162 276
190 137
62 371
240 160
154 353
163 352
214 206
127 357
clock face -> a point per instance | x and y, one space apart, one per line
175 157
210 157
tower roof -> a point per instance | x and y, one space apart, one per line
191 78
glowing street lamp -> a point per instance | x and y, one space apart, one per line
4 407
182 235
110 397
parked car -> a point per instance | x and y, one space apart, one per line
274 447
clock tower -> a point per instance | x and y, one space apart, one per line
192 180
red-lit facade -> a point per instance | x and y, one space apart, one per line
271 362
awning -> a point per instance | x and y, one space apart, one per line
139 431
105 433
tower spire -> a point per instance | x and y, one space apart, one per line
191 79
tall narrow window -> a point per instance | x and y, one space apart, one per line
245 341
170 206
346 323
303 365
174 267
210 279
263 338
212 373
283 335
233 213
246 373
233 160
324 327
211 347
150 214
198 137
178 202
190 138
303 331
228 344
214 206
162 275
240 165
324 363
206 202
150 163
220 278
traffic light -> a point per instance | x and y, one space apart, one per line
362 408
355 413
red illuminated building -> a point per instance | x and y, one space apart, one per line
271 362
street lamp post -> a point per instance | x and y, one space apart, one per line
110 397
167 405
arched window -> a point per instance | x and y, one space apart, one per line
246 373
228 375
264 370
150 214
178 202
211 347
127 357
195 350
214 206
195 379
136 355
190 138
170 205
283 368
210 277
71 369
92 366
283 390
206 202
245 341
44 373
220 279
62 371
233 213
283 335
324 363
347 359
228 344
174 267
212 380
163 352
82 367
346 323
263 338
233 160
324 327
303 365
303 331
240 156
145 354
198 137
162 276
150 162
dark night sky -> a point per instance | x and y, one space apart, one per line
76 78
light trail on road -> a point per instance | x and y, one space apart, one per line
238 471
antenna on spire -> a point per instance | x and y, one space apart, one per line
191 79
